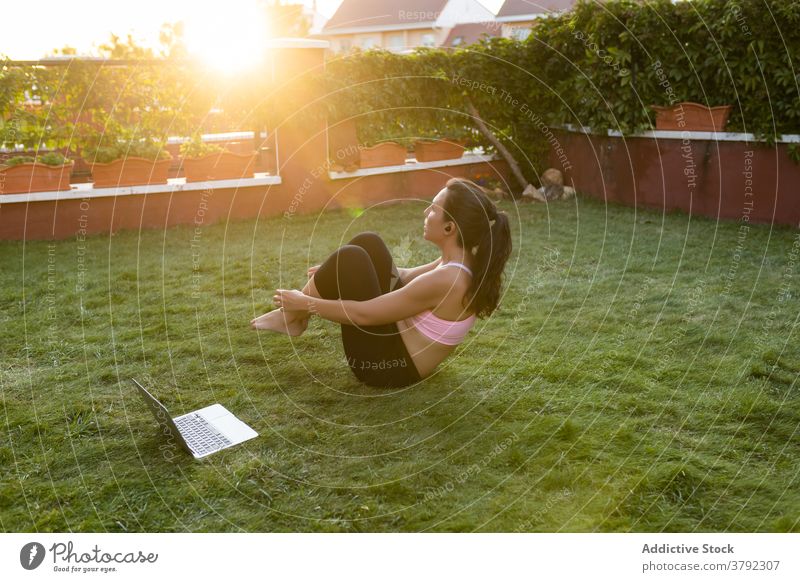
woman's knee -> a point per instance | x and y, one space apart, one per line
366 238
348 260
376 248
352 254
339 269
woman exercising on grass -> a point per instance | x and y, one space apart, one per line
399 324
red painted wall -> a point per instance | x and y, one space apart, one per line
721 180
68 218
416 185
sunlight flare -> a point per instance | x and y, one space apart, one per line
229 37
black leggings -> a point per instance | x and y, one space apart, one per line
361 270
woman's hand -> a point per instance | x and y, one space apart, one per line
290 300
312 270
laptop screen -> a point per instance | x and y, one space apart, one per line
163 418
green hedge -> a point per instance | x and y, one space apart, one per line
713 52
600 65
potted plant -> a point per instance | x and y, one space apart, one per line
691 117
381 140
445 140
387 153
128 163
432 150
47 173
203 161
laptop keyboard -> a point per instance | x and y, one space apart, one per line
201 437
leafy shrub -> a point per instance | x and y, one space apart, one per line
600 65
196 148
707 51
396 97
49 159
19 160
146 149
52 159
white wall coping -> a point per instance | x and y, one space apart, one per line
695 135
211 137
173 185
412 165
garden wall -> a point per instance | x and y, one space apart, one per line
721 176
415 184
161 207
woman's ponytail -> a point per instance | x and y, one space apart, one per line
491 256
485 233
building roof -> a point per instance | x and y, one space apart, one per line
471 33
369 14
533 7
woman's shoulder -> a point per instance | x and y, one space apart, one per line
440 285
454 284
447 275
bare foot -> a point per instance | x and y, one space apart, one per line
286 322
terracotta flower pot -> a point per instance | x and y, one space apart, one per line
34 177
130 172
387 153
691 117
219 166
433 151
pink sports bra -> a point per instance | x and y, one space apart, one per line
440 330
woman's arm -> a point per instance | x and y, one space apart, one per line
407 275
424 292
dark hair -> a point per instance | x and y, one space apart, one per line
484 232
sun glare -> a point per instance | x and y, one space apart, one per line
229 36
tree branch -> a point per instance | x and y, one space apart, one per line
488 134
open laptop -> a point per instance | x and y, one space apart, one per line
202 432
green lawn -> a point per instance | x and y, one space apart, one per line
642 375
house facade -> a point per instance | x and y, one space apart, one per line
470 33
399 25
518 17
